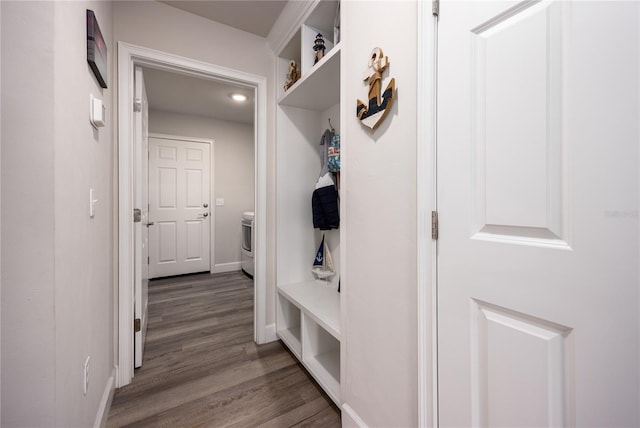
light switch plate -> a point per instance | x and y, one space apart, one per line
96 112
219 202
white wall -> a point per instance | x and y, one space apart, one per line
83 261
28 270
162 27
379 285
233 174
57 301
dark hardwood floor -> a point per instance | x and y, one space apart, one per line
201 367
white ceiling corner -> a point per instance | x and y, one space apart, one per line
253 16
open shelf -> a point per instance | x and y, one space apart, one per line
319 300
325 368
320 88
288 322
321 356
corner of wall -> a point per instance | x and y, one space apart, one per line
105 403
286 23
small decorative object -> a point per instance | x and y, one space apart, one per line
319 48
292 76
372 112
333 154
96 49
323 266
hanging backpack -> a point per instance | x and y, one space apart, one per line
333 154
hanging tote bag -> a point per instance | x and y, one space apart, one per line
333 154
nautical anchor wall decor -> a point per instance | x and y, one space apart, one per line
372 112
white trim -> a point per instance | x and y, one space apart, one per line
270 333
212 193
345 116
352 418
426 250
260 219
105 402
212 206
128 55
226 267
180 138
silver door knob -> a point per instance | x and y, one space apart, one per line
205 214
206 205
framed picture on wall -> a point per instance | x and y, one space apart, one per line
96 49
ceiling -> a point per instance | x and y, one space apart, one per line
178 93
183 94
253 16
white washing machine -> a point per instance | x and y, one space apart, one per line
246 260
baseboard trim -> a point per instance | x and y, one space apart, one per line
226 267
350 418
270 333
105 402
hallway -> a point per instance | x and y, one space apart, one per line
202 368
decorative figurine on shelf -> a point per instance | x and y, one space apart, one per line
319 48
292 76
372 112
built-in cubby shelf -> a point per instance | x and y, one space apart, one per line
309 324
321 356
319 300
318 89
308 310
289 322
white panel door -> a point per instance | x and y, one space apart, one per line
538 297
179 182
141 234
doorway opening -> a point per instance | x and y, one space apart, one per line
130 56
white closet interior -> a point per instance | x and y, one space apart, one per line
308 310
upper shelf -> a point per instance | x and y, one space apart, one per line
318 89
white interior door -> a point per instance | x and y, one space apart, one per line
538 319
141 235
179 182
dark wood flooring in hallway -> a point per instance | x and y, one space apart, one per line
202 368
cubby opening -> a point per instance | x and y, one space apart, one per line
321 354
289 324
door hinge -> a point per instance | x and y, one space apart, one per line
137 105
137 325
434 225
435 7
137 215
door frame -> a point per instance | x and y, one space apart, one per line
128 57
426 203
212 193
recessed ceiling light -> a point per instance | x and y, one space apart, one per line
239 97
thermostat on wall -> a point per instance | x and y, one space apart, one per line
97 112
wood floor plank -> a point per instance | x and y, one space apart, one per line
201 367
